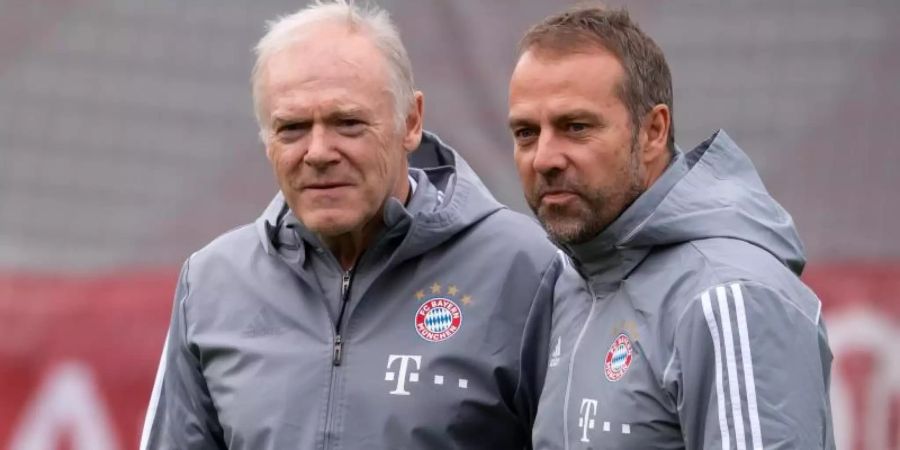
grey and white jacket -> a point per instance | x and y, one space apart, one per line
437 339
685 325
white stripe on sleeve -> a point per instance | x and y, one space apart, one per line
733 383
720 393
749 382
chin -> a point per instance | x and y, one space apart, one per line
560 214
331 225
561 235
566 228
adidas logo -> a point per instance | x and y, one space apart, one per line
557 353
262 325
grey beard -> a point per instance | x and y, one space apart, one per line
592 216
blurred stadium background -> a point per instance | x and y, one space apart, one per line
127 141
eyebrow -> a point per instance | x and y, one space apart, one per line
343 113
577 115
278 123
338 114
517 122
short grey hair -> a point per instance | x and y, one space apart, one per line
369 19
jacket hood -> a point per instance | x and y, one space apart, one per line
448 198
713 191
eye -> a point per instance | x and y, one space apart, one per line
577 127
291 131
525 135
350 126
289 127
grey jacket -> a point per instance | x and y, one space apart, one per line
692 329
440 342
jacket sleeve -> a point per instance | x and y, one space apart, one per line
535 346
750 369
181 414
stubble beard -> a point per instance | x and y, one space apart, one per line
592 212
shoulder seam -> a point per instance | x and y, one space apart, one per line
718 281
694 298
208 247
745 282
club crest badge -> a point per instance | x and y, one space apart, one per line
618 358
439 317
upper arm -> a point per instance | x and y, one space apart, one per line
751 370
181 414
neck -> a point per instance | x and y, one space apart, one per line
348 247
656 169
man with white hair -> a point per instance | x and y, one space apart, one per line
372 305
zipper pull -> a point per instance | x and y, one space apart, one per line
338 346
345 284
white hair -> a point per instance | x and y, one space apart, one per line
371 20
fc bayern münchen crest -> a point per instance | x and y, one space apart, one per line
618 358
438 319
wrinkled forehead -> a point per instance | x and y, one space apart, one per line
339 69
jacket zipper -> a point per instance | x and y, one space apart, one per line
345 297
338 351
569 375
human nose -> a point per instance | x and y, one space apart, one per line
320 151
548 155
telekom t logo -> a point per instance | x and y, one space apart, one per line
586 421
401 374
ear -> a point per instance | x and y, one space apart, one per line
414 120
655 135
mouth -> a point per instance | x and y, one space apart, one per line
324 186
557 196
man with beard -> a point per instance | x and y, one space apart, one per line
686 325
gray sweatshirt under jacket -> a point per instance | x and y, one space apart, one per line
439 338
692 329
